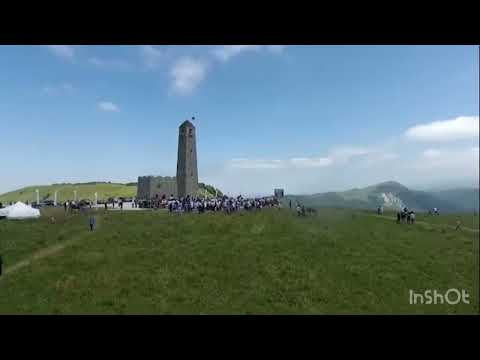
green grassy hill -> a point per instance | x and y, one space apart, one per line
65 192
84 191
270 262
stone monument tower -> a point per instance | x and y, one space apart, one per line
187 173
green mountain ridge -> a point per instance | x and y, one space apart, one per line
394 196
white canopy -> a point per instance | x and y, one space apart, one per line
20 211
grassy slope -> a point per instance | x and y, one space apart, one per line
445 220
270 262
65 192
465 199
466 220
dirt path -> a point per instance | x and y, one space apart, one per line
43 253
426 223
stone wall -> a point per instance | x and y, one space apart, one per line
152 186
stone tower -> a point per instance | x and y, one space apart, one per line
187 173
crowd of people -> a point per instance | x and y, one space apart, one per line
406 215
201 204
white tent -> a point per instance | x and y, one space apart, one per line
3 212
20 211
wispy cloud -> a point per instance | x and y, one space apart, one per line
344 154
152 56
63 51
431 154
108 106
226 52
187 73
114 64
257 164
276 48
311 162
450 161
64 88
347 166
460 128
336 156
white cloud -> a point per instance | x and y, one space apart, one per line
389 156
226 52
64 88
348 167
187 74
116 64
311 162
64 51
344 154
276 48
151 55
338 156
108 106
257 164
460 128
279 164
463 162
431 153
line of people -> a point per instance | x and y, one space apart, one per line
225 204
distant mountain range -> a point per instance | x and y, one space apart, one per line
393 195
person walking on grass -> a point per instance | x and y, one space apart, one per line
411 217
92 223
459 224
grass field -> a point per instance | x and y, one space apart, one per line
470 221
466 220
272 262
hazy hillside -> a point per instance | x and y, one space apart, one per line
465 199
393 195
65 191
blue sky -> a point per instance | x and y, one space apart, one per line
306 118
